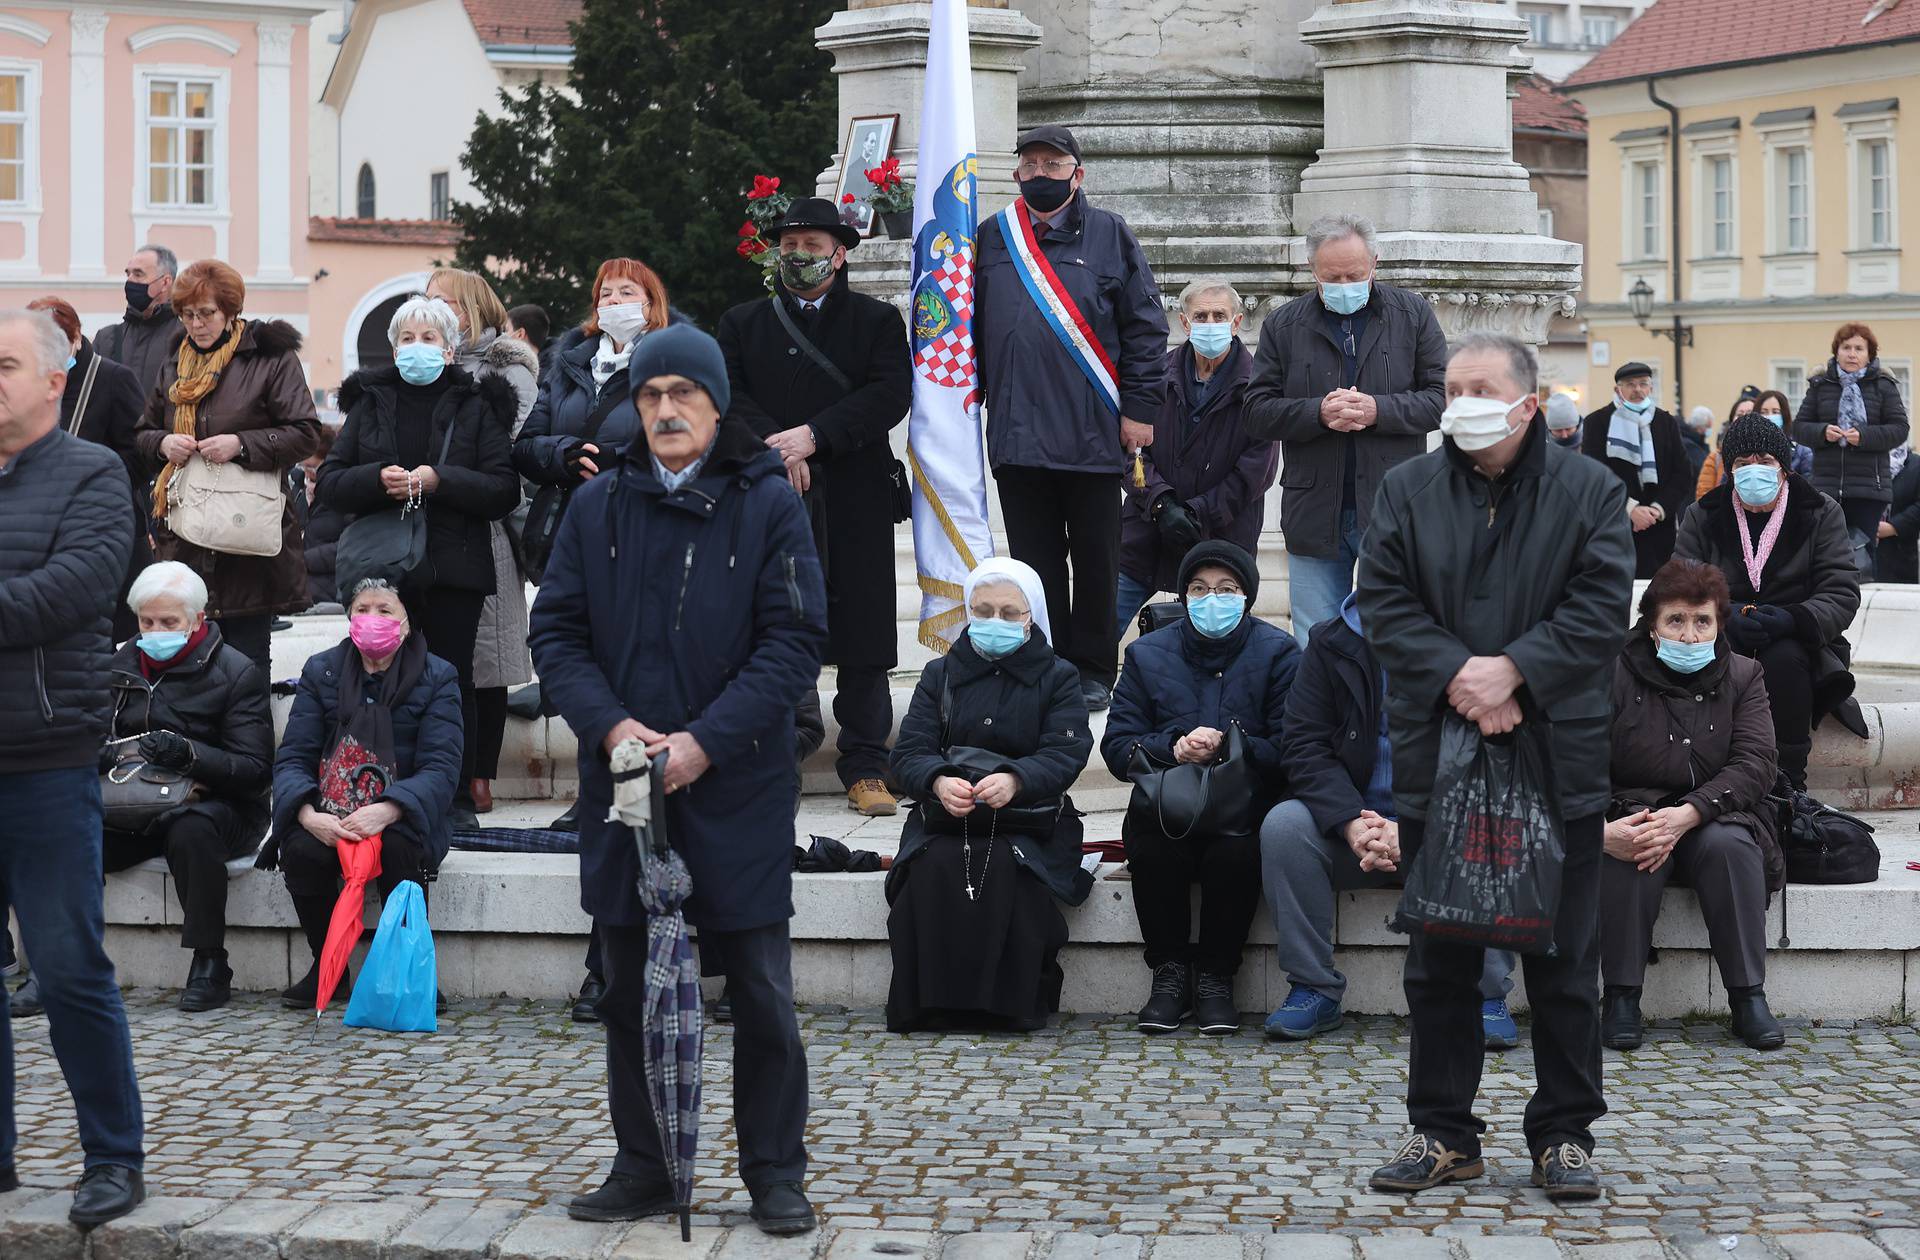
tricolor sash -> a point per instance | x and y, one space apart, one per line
1056 306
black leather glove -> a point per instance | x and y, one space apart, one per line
1746 633
165 748
109 757
1177 527
1777 622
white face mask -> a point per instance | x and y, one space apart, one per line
623 321
1474 424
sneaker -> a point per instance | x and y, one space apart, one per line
870 798
1497 1026
1213 1008
1422 1164
1171 1003
624 1198
1621 1027
1306 1013
1566 1173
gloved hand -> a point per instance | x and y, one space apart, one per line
1177 527
1776 621
109 757
1745 633
165 748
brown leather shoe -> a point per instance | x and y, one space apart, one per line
482 796
871 798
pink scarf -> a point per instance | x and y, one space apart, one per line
1757 560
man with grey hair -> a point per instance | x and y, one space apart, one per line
1495 583
64 540
1348 378
1205 476
143 338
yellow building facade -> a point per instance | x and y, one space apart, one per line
1799 210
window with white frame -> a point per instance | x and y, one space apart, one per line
1790 378
439 202
1717 178
1598 29
1876 194
1901 370
1546 222
1794 198
1644 202
181 126
1539 25
15 172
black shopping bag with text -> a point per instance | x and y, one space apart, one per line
1488 870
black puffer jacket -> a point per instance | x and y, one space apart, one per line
1841 469
386 417
65 536
217 698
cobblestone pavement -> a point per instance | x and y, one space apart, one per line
1085 1127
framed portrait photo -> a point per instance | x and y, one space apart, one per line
869 143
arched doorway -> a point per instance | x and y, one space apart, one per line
364 339
371 343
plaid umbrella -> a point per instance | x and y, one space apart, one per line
673 1014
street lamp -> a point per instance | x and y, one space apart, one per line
1640 299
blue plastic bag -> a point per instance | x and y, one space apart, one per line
399 983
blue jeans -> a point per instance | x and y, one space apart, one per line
1318 585
50 874
1132 595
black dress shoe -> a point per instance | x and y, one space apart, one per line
1566 1174
462 818
26 999
624 1198
1422 1164
722 1010
107 1192
782 1209
304 992
592 989
1753 1023
1621 1027
9 1179
279 623
524 702
1096 694
209 984
569 821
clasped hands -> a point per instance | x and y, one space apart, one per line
958 797
1483 693
686 760
178 448
795 447
362 824
395 481
1348 411
1198 746
1646 838
1836 435
1375 840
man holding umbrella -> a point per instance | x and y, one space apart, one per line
683 607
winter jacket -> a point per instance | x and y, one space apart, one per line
1206 461
1042 412
1841 469
1673 494
1027 707
320 540
500 657
776 387
1810 573
1402 364
699 611
64 541
217 699
262 399
113 412
1176 680
1714 471
144 344
510 359
472 423
1330 736
1536 566
1897 559
564 411
1704 740
1696 448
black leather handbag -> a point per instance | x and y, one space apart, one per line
1036 818
136 794
390 545
1185 800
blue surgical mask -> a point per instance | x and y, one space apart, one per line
1210 340
71 360
420 363
1345 299
1758 485
162 645
1216 615
1684 658
1779 419
994 638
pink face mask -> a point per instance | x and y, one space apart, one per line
375 635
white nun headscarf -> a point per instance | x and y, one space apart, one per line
1005 569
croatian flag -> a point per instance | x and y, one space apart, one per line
950 531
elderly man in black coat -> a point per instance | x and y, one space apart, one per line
64 539
1641 445
1494 584
821 373
683 607
143 340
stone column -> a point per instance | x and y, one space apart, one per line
86 156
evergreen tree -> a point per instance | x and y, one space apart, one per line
671 108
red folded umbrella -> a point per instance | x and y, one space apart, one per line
359 862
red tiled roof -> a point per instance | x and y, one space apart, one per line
383 231
1537 107
523 22
1681 35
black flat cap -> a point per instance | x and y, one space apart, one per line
1052 135
1630 370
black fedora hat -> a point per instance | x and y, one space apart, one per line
817 214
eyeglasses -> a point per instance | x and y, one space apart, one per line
1198 590
200 316
648 397
1059 167
1348 346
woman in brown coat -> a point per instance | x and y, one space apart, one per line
232 391
1693 760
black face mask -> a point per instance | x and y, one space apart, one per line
137 296
1046 194
1572 439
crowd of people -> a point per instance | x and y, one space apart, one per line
710 518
